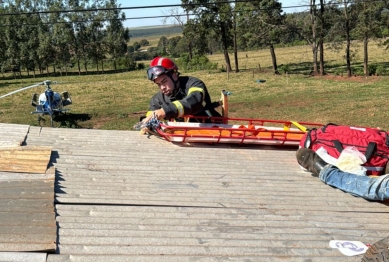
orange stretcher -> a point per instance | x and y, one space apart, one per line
245 131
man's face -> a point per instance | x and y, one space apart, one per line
165 84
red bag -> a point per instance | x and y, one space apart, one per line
373 143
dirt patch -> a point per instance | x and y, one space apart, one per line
98 124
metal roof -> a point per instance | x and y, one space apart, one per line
122 196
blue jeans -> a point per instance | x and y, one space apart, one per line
362 186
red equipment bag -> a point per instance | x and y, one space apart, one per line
373 143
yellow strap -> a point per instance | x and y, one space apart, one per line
149 113
180 108
301 127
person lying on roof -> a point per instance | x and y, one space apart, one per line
370 188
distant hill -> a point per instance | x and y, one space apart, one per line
147 31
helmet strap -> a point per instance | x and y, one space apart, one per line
175 82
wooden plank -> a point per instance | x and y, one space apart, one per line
25 159
27 217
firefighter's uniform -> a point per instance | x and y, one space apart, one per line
192 98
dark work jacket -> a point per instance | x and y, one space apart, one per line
192 98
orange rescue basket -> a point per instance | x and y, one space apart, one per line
246 131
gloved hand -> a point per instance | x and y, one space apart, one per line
158 114
148 125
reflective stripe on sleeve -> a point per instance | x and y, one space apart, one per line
196 89
180 108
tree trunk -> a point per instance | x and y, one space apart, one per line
236 55
321 59
227 59
315 72
273 59
321 40
225 48
235 45
86 66
79 66
314 37
348 41
348 58
365 56
190 49
97 65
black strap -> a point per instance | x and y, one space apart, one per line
371 147
338 145
325 127
386 139
308 140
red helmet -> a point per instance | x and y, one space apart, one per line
160 66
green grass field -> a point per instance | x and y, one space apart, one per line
116 101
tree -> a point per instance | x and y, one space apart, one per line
175 15
172 44
78 22
130 49
306 26
368 25
144 42
12 39
262 25
347 30
194 35
117 36
136 46
213 16
162 45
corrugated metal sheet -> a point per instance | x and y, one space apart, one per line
121 196
12 134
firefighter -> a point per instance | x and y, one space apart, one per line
178 96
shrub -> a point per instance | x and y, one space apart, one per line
284 69
358 71
338 71
196 63
372 69
380 70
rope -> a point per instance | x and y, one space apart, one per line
150 126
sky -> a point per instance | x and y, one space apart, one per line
150 12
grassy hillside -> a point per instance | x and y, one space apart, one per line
299 58
116 101
153 33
